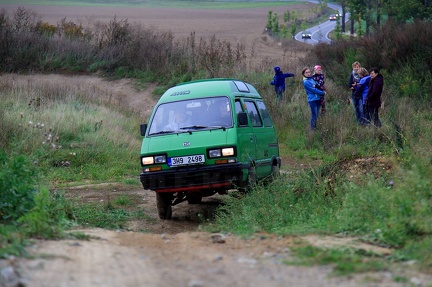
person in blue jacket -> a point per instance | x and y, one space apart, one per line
361 91
313 96
279 82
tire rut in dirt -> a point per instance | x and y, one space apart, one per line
164 206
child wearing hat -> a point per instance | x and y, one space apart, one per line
319 79
279 81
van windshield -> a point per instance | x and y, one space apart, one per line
192 115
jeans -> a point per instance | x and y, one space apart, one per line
366 119
315 108
279 94
358 109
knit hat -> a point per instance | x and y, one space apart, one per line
277 69
317 67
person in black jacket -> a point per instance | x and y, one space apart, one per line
373 97
279 82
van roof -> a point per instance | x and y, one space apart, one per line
209 88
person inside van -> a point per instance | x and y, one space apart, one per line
181 120
220 114
225 114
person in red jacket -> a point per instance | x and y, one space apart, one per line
373 97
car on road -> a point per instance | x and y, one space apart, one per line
333 17
306 35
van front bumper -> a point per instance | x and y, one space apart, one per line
178 179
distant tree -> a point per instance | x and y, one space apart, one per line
407 10
303 25
343 6
275 23
294 27
401 11
367 15
287 16
356 8
359 26
284 31
269 19
338 31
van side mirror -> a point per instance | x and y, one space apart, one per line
143 128
242 119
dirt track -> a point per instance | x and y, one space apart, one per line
174 253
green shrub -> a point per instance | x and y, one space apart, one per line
12 241
364 208
45 219
18 179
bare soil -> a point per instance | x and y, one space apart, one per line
154 252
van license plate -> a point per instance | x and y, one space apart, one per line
186 160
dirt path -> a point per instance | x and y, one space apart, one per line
120 258
156 252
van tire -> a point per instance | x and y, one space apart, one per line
251 177
194 199
275 172
249 182
164 205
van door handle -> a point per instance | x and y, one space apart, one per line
251 138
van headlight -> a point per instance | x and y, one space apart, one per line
229 151
215 153
156 159
220 152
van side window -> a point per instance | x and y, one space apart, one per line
264 114
253 114
238 107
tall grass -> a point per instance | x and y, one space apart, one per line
114 48
55 136
388 209
66 131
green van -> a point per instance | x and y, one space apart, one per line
206 137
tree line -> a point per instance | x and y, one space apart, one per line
373 12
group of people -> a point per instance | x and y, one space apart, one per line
366 93
366 87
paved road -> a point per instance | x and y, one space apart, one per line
321 31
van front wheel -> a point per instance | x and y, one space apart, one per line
250 181
194 199
164 205
252 177
275 172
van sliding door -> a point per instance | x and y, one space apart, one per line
246 142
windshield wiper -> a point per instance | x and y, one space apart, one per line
196 127
161 133
218 127
187 129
